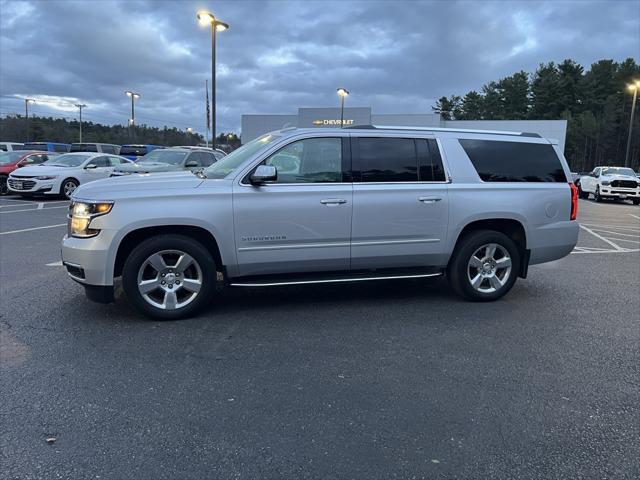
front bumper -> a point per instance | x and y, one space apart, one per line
32 186
89 261
619 192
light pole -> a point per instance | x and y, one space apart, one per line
26 113
189 132
634 88
132 120
207 18
80 107
342 92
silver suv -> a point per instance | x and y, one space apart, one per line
332 205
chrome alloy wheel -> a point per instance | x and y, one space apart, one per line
69 187
169 279
489 268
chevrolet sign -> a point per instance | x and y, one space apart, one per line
330 122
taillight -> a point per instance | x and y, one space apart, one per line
574 201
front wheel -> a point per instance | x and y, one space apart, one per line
169 277
484 266
3 185
596 196
68 186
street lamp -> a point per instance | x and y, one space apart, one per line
26 113
132 120
634 88
189 132
342 92
80 107
206 18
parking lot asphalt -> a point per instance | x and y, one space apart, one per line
389 379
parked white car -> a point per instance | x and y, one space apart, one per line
611 182
10 146
63 174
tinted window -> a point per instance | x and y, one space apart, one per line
108 149
100 162
314 160
34 146
387 160
133 150
497 161
35 159
431 169
3 148
115 161
60 148
206 159
84 147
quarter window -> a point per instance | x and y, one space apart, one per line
314 160
498 161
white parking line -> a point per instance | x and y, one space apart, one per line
617 233
55 264
21 205
617 247
33 210
40 206
634 216
34 228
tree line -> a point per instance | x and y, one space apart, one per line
40 129
596 104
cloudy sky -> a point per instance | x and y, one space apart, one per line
280 55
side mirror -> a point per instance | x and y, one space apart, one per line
263 174
91 166
191 164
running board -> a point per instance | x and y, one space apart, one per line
281 281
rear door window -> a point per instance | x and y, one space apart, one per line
386 160
501 161
100 162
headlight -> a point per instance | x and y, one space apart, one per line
606 183
82 213
47 177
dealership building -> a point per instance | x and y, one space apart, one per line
255 125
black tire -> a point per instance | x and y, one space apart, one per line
636 201
596 196
458 268
161 243
582 194
69 181
4 189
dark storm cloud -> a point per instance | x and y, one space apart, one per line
394 56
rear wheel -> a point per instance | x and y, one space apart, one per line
582 194
68 186
169 277
484 266
3 185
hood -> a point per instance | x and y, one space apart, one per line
38 170
137 185
149 167
619 177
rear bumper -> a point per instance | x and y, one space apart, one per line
553 241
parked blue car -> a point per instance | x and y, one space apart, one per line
132 152
47 146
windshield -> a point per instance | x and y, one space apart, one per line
618 171
74 160
170 157
10 157
133 150
228 164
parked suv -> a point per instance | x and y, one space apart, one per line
332 205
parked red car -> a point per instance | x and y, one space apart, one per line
9 161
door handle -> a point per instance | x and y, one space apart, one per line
429 199
333 201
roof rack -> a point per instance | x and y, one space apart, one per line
437 129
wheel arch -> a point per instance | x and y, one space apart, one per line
512 228
134 237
